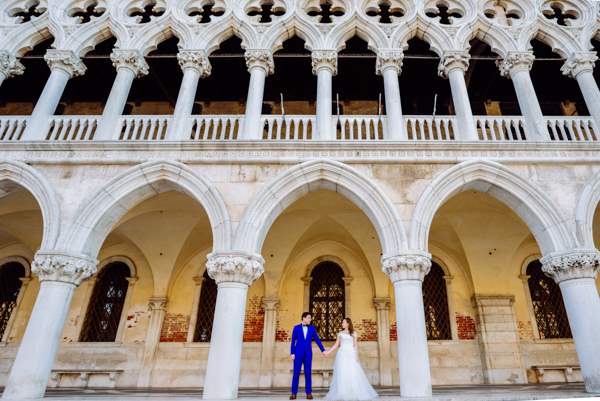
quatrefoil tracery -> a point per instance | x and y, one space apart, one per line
146 11
87 11
560 13
27 11
385 11
206 11
445 12
325 11
505 12
265 11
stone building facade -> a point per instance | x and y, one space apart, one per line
145 245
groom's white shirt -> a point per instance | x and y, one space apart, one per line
304 330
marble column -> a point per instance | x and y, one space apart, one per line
195 65
157 307
59 275
382 306
407 272
324 66
267 354
64 65
198 280
575 272
233 272
130 64
389 65
580 66
260 64
9 66
517 65
453 66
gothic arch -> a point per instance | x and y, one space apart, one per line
538 213
589 198
310 176
97 216
27 177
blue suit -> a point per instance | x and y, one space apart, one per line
302 349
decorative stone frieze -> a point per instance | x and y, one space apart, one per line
409 266
10 65
196 59
574 264
261 58
452 60
50 266
579 62
129 58
235 267
65 60
389 58
515 61
324 59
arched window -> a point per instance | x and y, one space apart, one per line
435 302
548 307
206 310
327 299
10 285
106 304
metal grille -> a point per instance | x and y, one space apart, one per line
435 302
106 304
10 285
206 310
548 307
327 299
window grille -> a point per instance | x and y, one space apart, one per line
327 299
206 310
10 285
435 302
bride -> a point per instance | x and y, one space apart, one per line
349 381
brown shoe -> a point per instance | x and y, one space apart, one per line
293 397
309 396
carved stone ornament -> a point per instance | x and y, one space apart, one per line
132 59
9 65
410 266
49 266
324 59
389 58
515 61
578 263
235 267
452 60
196 59
65 60
579 62
260 58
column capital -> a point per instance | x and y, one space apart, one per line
10 65
270 303
131 59
515 61
413 265
65 60
325 58
235 267
451 60
195 59
579 62
573 264
56 266
382 303
389 58
261 58
157 303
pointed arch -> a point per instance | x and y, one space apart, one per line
96 217
30 179
538 213
588 201
310 176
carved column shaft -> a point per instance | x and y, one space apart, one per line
260 64
270 305
324 64
382 306
389 65
157 306
581 67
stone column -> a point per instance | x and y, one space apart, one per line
324 66
64 65
389 65
407 272
382 306
453 66
517 65
233 273
195 65
59 274
575 272
198 280
158 308
260 64
581 67
270 305
130 64
9 66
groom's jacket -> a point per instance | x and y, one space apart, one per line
300 345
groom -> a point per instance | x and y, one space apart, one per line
301 353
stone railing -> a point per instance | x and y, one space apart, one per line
348 128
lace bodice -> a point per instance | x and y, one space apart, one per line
346 340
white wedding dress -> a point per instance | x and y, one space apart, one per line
349 381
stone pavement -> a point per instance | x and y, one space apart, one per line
442 393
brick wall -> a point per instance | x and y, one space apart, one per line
466 327
366 329
255 320
393 333
174 328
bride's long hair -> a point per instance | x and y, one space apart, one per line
350 326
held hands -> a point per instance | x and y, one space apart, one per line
293 357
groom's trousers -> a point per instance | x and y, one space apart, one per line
300 360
